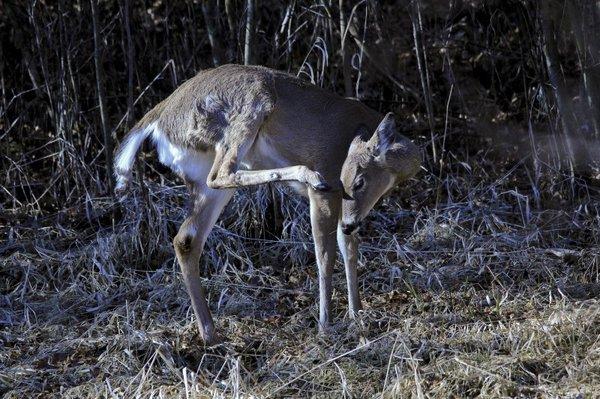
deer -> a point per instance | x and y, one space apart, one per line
234 126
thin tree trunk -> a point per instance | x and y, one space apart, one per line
108 144
212 29
557 80
43 58
130 105
233 34
344 51
2 83
249 42
582 17
423 70
130 61
65 121
230 15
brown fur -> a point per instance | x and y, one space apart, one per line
288 109
281 129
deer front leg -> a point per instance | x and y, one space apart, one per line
348 245
324 213
225 174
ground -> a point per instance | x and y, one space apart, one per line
480 281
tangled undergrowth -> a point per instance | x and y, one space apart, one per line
481 283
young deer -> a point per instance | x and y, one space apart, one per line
236 126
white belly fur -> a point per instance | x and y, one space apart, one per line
195 166
262 156
189 164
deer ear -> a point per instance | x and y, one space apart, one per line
384 135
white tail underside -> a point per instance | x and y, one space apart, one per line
186 163
126 155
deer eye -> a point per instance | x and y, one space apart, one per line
358 184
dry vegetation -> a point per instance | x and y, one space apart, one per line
481 277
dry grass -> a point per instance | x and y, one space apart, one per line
470 290
482 279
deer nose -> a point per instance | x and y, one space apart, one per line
349 228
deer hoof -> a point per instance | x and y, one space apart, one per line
322 187
319 183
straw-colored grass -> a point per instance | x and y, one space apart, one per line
470 288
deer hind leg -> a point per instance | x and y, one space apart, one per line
189 242
348 245
225 172
324 215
